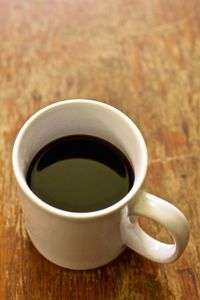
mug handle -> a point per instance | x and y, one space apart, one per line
161 211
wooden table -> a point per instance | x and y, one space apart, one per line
143 57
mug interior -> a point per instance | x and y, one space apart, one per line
72 117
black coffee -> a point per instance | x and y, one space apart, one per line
80 173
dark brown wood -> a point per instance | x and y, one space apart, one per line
143 57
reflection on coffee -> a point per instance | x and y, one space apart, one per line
80 173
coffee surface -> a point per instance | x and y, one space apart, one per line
80 173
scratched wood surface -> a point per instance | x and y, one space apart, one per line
143 57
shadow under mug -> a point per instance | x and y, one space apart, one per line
88 240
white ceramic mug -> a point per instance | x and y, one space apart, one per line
89 240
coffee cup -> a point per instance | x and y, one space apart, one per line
86 240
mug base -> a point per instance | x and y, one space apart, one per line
87 265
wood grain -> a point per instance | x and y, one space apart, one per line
143 57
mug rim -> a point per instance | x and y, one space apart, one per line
20 178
